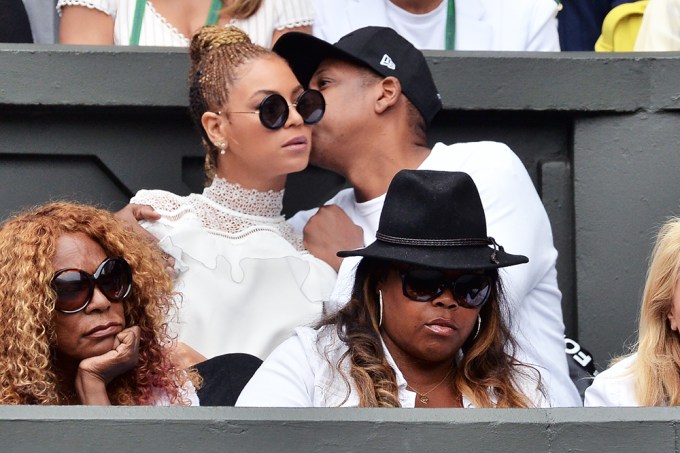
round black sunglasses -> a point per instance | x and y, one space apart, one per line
274 109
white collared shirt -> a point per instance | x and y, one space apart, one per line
516 218
302 372
515 25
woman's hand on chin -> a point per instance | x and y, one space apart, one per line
95 373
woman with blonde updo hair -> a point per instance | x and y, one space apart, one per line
83 304
650 375
244 274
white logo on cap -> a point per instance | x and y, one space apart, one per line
387 61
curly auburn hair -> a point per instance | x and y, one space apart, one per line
488 360
28 373
217 55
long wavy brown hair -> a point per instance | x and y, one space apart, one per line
28 373
488 373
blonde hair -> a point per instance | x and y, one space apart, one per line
242 9
217 54
28 374
488 361
657 368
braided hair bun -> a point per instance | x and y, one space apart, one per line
217 54
213 37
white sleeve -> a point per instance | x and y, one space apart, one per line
293 13
165 203
342 290
597 394
517 219
285 379
660 28
300 219
320 280
543 35
320 26
109 7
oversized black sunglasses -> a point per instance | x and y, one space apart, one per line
425 285
274 109
75 287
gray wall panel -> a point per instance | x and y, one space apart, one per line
625 186
330 430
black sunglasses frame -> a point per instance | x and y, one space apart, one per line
283 109
450 283
93 280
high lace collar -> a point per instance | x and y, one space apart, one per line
245 201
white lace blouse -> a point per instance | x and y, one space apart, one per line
157 31
245 280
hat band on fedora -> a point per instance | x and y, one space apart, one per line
441 242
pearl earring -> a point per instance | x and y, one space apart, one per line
222 146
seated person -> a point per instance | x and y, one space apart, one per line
82 313
447 24
245 277
649 375
366 100
423 327
172 23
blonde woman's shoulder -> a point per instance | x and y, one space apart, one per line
615 386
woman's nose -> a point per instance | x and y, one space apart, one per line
99 301
294 117
445 300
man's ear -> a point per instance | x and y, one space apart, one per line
390 89
213 126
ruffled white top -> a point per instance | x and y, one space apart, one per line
245 280
157 31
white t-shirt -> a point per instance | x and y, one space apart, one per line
516 218
157 31
302 373
615 386
480 24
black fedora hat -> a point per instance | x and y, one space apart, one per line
435 219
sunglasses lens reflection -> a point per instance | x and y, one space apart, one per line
273 111
114 280
424 285
311 106
72 288
472 290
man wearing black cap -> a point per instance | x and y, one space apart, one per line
380 100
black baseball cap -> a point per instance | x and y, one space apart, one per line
379 48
